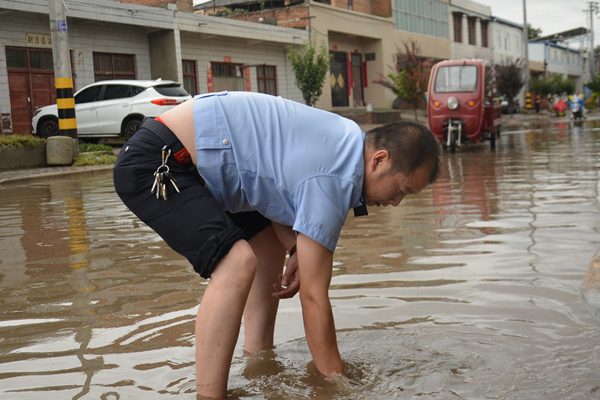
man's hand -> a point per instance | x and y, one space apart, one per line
316 267
289 282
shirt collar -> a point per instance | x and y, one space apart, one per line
361 210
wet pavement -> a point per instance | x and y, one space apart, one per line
480 287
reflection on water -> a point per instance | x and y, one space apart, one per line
469 290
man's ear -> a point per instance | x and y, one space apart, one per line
379 158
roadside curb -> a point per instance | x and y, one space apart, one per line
45 173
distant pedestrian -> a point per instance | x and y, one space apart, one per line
538 103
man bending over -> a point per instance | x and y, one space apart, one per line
233 180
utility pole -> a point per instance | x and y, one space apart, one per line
67 124
526 47
592 58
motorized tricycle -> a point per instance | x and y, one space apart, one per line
460 105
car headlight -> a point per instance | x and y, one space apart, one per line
453 103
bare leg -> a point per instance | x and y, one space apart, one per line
219 319
261 307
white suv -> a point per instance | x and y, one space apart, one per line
113 108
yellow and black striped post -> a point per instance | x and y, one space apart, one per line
528 101
67 124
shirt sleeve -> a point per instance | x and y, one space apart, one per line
322 204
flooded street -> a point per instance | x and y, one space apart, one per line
470 290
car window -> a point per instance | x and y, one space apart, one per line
88 95
456 78
135 90
171 90
116 92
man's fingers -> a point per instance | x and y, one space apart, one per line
286 293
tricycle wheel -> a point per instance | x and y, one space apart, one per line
444 138
453 142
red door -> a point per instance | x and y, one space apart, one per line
43 90
30 83
20 104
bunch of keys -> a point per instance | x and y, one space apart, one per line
162 176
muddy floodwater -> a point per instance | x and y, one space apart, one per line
470 290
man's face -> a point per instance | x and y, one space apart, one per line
381 188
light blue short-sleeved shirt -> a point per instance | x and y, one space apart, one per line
296 165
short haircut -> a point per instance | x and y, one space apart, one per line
410 145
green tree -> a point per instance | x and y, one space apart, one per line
594 86
410 80
554 85
560 85
543 86
533 33
310 66
509 78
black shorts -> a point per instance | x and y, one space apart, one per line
191 222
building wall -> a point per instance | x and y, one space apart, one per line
481 13
424 18
182 5
427 25
288 17
436 48
381 8
84 40
472 6
558 60
349 31
507 42
463 50
106 38
205 51
574 63
111 27
537 52
363 6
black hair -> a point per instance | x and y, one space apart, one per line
410 144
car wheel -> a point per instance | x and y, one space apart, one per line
131 128
48 128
